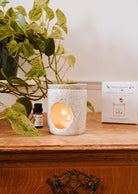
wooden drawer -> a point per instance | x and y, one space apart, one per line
27 173
115 180
107 151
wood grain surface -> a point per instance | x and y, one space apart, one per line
115 180
68 158
98 136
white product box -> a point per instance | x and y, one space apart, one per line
119 102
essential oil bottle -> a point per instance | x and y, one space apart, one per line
38 115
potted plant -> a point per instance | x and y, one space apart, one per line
40 45
7 62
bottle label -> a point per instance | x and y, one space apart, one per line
38 120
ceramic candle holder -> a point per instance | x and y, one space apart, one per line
67 109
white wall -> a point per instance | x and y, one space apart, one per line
103 35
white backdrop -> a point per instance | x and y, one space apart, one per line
103 35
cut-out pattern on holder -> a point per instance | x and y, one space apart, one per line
61 115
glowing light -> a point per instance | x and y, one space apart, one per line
69 117
64 112
61 115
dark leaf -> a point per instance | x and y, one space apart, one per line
49 47
27 103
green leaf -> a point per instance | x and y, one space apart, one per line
37 69
18 81
20 123
5 32
71 60
10 13
20 108
4 113
13 47
90 107
1 14
72 82
27 48
37 42
23 126
49 13
60 50
56 33
61 20
21 9
40 4
36 28
49 47
35 14
16 28
27 103
64 28
20 20
3 3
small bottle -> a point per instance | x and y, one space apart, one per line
38 115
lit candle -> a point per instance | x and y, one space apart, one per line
61 115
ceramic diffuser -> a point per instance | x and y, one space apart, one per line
67 109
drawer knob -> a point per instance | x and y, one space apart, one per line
74 182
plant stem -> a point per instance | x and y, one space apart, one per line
65 72
45 76
4 105
38 85
57 71
23 62
59 59
62 66
1 118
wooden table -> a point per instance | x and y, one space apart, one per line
107 151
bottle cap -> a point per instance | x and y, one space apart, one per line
38 108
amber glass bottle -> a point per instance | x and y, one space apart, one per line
38 115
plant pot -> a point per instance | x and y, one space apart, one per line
7 63
67 109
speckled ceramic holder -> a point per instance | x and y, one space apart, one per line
75 97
